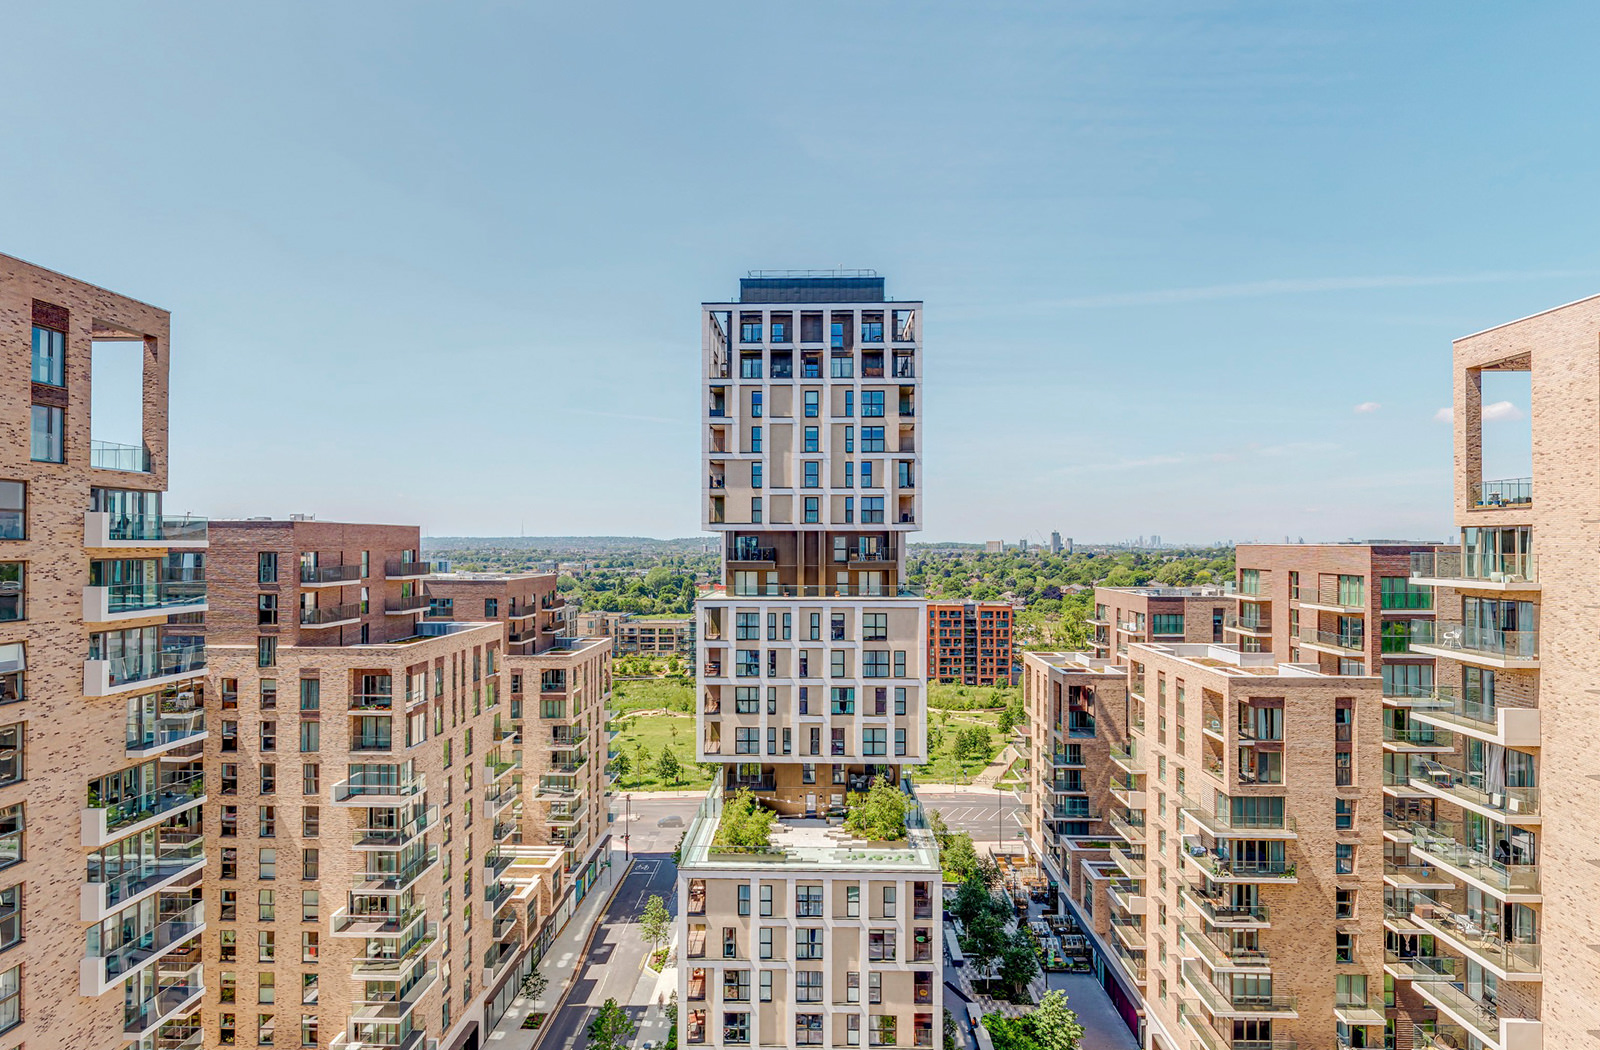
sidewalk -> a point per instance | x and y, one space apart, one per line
560 965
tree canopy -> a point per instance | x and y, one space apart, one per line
880 814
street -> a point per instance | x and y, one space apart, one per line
975 812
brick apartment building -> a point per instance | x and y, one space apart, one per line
970 642
810 677
1156 614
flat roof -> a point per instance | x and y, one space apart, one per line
811 843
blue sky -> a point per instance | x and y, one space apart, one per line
442 264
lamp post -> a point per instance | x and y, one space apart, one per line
999 815
627 823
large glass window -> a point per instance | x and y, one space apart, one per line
13 510
1400 593
872 404
1167 623
12 606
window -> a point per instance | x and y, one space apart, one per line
874 627
310 865
310 905
11 754
808 986
267 864
849 403
874 741
730 942
12 606
755 510
813 474
872 510
813 510
744 898
269 736
267 567
308 988
266 652
808 902
755 475
880 945
49 356
736 1028
11 998
764 938
44 434
1344 858
308 1029
875 663
310 773
872 439
755 439
310 738
871 404
1344 814
1344 904
813 404
766 902
267 826
736 986
266 905
266 945
1167 623
808 944
491 608
267 610
13 510
755 404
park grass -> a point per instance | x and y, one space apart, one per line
656 732
952 696
943 767
660 694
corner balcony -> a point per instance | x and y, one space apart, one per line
1130 861
1258 625
103 823
1479 938
103 532
330 616
1483 646
179 720
1132 831
1221 954
396 837
394 1006
399 880
1437 843
1230 869
1477 716
1124 791
100 971
1131 932
406 606
180 990
115 676
1218 909
392 965
179 863
1471 790
1482 1017
1127 896
131 601
1473 571
1225 1004
494 770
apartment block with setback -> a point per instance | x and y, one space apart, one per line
100 680
362 807
1156 614
1236 898
811 680
1502 836
970 642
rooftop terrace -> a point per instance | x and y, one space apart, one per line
811 843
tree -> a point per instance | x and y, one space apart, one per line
880 814
746 825
1019 963
952 1031
972 744
611 1029
1014 715
1055 1027
960 857
672 1022
655 922
534 984
621 765
668 767
985 941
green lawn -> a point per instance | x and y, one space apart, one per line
951 696
670 694
656 732
943 766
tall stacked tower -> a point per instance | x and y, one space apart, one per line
811 680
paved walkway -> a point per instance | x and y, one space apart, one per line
1103 1028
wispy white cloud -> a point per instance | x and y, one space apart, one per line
1445 415
1296 286
1500 412
1366 408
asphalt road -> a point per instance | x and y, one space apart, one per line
976 812
614 968
639 819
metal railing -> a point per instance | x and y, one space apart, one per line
331 574
1473 786
1502 492
329 614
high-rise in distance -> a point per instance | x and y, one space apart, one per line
811 681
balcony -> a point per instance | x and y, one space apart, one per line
375 791
1470 790
1129 861
1340 643
106 822
1256 626
131 601
98 972
109 455
403 876
178 720
1415 876
412 603
1131 932
396 569
395 1004
1218 909
102 532
1221 1004
1473 714
1126 760
1500 493
330 575
390 965
1484 646
1130 831
1476 571
331 616
384 923
142 671
494 769
1417 738
1220 953
1480 1016
180 860
1436 842
1232 869
1480 939
180 990
397 837
1228 824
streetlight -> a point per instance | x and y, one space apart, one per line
627 823
999 815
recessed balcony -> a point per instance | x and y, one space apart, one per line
330 575
1227 1004
330 616
1258 625
1229 869
132 601
1476 571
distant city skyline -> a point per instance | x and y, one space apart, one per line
1203 260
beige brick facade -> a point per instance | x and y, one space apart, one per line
1156 614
